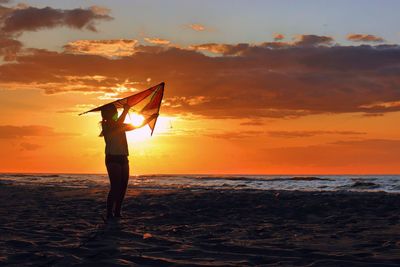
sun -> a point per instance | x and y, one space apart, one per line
144 133
135 119
140 134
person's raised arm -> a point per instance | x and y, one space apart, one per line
130 127
121 118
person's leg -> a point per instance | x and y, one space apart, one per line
114 174
124 185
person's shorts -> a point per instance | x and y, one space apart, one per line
119 159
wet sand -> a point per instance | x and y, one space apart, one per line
44 226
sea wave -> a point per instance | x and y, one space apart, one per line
368 185
237 182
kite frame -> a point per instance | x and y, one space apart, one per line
158 110
159 106
99 108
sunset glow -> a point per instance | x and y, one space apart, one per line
283 95
134 119
163 126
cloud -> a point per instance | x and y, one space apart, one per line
368 155
9 48
364 38
382 105
107 48
241 48
157 41
15 20
33 19
312 40
252 123
10 131
101 10
224 49
29 147
190 101
197 27
245 81
235 135
278 36
278 134
296 134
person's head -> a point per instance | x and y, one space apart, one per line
109 112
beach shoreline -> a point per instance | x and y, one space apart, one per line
63 227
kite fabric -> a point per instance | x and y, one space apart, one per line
145 103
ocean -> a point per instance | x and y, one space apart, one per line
369 183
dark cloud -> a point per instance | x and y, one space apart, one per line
15 20
301 41
33 19
10 131
359 58
312 40
257 81
9 48
364 38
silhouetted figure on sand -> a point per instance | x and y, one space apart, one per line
113 130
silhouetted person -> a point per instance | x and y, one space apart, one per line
113 130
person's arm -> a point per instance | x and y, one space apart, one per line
130 127
121 118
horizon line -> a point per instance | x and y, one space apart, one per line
213 174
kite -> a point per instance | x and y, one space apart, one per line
146 103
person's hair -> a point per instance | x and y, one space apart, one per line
109 113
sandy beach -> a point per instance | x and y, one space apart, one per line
47 226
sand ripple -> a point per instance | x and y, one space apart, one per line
63 227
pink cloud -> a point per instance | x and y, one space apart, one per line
364 38
278 36
157 41
197 27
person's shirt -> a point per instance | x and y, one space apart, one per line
115 138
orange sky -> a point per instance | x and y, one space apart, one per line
303 104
